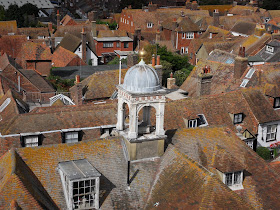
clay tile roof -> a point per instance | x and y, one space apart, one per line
34 51
19 182
105 33
244 27
8 27
271 90
186 24
67 20
102 84
37 80
12 44
70 42
34 33
62 57
274 13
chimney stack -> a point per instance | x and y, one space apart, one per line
241 63
50 28
93 16
78 79
194 5
77 91
84 46
132 59
188 4
205 79
52 43
153 60
57 19
158 69
171 82
173 32
152 7
216 18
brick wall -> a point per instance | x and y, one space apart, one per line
100 49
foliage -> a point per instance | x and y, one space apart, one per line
171 62
271 4
60 84
24 15
2 13
112 26
264 153
116 60
134 4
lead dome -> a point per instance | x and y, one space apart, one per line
141 78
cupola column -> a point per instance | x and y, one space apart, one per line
160 120
120 123
133 122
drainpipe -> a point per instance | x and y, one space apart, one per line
177 41
19 84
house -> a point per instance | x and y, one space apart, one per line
108 42
35 56
62 58
80 47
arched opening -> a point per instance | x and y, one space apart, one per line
146 120
125 115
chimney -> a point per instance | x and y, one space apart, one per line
84 45
93 28
173 32
205 78
52 43
241 63
260 30
137 38
216 18
158 69
194 5
132 59
171 82
93 16
50 28
152 7
77 92
57 19
188 4
153 60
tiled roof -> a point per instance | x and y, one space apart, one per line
62 57
244 27
33 33
184 24
242 10
12 44
8 27
67 20
101 85
19 182
34 51
37 80
274 13
70 42
228 21
221 56
215 30
203 146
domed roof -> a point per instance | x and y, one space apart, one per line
141 78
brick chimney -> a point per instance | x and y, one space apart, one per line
241 63
84 45
93 28
57 19
216 18
171 82
173 32
188 4
137 38
77 91
194 5
152 7
205 79
158 69
132 59
153 60
52 43
93 16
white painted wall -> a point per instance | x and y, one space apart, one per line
262 131
89 54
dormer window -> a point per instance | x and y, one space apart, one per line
192 123
80 182
30 140
149 25
188 35
70 136
238 118
276 102
269 49
234 180
271 133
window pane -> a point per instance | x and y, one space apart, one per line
237 177
228 179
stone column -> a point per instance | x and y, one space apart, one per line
120 123
133 122
160 120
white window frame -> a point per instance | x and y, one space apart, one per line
31 141
126 45
250 144
269 49
237 118
234 180
118 44
276 102
71 137
108 44
271 133
150 25
188 35
186 50
182 50
131 23
192 123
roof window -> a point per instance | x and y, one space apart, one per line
244 83
250 73
234 180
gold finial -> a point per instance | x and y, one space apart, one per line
142 54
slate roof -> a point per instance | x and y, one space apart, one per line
244 27
37 80
70 42
12 44
8 26
271 57
46 4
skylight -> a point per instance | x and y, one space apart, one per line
244 83
250 73
5 104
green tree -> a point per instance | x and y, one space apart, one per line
2 13
14 13
29 9
181 75
264 153
271 5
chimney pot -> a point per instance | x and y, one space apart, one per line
158 60
78 79
153 60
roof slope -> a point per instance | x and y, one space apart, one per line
33 33
244 27
70 42
8 27
12 44
62 57
203 144
34 51
19 182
